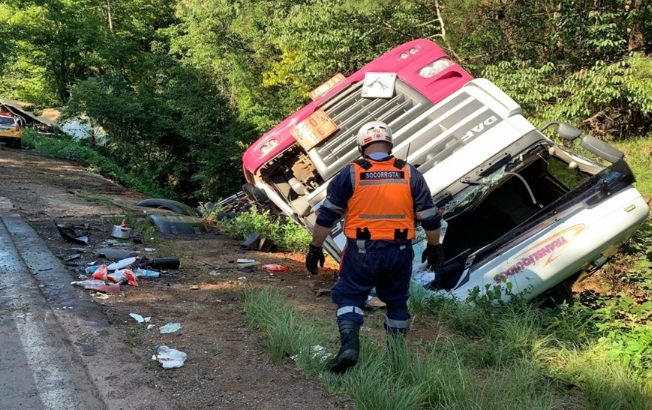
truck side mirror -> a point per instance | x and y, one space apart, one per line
591 144
566 131
601 149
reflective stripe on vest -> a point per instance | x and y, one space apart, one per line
381 207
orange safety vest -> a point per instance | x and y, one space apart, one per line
381 207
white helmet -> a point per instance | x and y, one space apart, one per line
374 131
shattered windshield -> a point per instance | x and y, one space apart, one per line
473 192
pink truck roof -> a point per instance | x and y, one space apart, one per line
420 54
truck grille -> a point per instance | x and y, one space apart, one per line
349 110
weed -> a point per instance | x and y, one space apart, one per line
216 349
285 233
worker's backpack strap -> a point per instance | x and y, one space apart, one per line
363 163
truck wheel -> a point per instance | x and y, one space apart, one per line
255 194
18 143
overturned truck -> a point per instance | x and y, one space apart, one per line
524 214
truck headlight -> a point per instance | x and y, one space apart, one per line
410 51
268 145
435 68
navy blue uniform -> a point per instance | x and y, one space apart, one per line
383 264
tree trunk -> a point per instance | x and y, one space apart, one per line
636 39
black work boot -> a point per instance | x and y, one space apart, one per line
348 354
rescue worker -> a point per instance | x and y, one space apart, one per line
380 197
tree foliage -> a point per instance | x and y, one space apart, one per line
184 86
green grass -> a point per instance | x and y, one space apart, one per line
524 358
638 153
65 148
285 233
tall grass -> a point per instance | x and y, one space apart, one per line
522 360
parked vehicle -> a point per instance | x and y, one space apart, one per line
10 131
524 214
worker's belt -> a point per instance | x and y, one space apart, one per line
365 235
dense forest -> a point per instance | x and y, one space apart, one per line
183 86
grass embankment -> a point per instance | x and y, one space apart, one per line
65 148
497 357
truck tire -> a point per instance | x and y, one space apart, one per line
18 143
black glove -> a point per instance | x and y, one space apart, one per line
435 256
315 255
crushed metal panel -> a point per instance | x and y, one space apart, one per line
68 234
179 224
175 206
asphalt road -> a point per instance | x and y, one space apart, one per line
57 350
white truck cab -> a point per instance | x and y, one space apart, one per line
523 213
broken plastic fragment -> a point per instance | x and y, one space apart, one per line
170 328
275 268
88 283
138 317
121 263
169 358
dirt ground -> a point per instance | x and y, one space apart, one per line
228 364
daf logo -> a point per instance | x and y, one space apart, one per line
478 129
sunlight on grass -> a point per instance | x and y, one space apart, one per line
517 361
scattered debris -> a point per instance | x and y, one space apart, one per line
68 234
266 245
73 257
146 273
139 318
169 358
322 292
121 231
88 283
114 254
275 268
251 242
174 206
292 295
179 224
116 243
170 328
247 265
165 263
119 276
123 263
210 265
